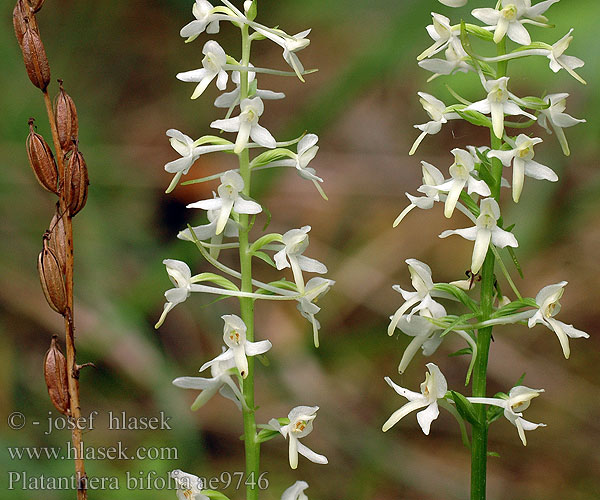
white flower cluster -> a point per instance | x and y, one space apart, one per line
230 216
473 187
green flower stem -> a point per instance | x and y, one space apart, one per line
480 432
247 304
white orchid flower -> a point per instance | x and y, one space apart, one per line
220 381
181 276
427 337
314 290
549 306
518 401
295 242
454 3
432 177
231 99
523 164
510 18
558 59
422 298
454 63
499 102
555 118
290 45
296 491
442 34
206 19
461 172
436 110
301 425
212 67
485 232
234 335
433 388
246 125
229 200
209 231
189 487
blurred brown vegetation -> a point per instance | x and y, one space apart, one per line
118 60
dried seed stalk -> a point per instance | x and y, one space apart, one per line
65 115
42 160
57 381
51 278
34 55
77 183
23 16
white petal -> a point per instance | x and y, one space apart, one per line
262 136
502 238
311 455
311 265
242 206
255 348
538 171
517 33
428 415
229 125
469 233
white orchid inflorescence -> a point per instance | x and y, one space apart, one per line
473 188
228 218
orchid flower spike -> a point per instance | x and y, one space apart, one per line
231 99
314 290
511 16
212 67
433 388
549 306
295 242
436 110
301 425
428 337
220 381
442 34
499 102
296 491
229 200
523 164
181 276
247 126
189 487
234 335
461 172
432 177
485 231
421 298
518 401
203 11
555 118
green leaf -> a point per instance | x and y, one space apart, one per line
212 139
270 156
513 256
465 408
520 381
265 435
514 307
478 31
267 213
263 241
493 454
469 203
252 11
475 118
264 257
215 495
461 352
493 413
535 103
459 294
217 280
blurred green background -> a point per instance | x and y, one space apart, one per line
118 60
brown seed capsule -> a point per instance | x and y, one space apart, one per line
23 15
51 278
77 183
56 375
41 160
36 5
57 240
65 114
34 55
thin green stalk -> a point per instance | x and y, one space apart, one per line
252 448
480 432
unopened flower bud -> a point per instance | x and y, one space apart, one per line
51 279
57 240
77 183
41 160
56 375
34 55
66 119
